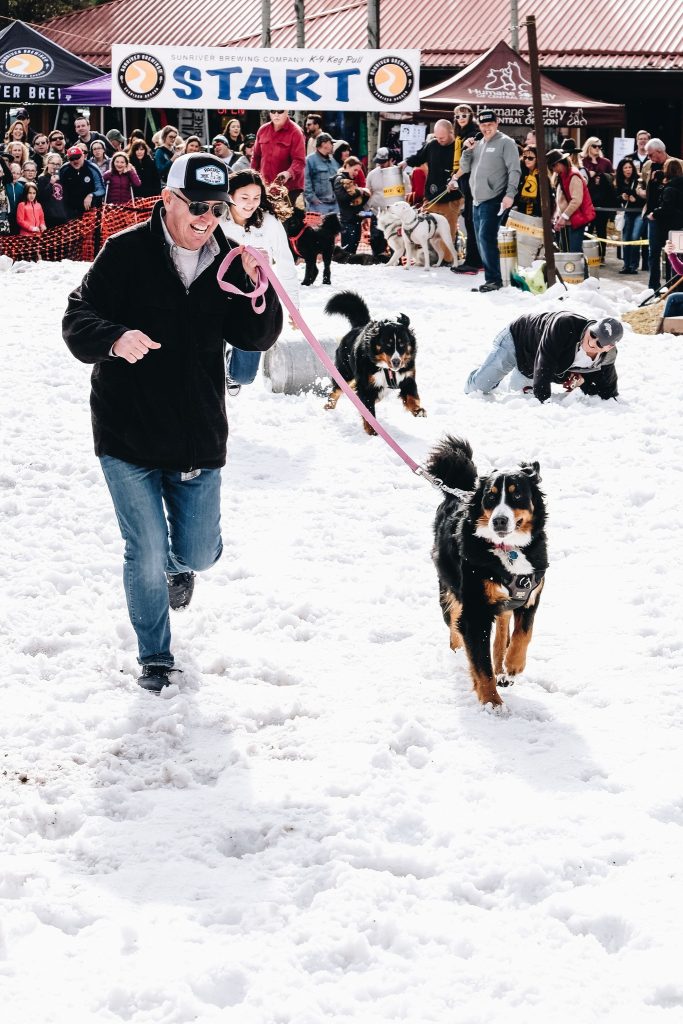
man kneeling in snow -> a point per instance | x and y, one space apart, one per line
539 348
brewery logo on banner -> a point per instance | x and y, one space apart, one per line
141 76
26 62
390 80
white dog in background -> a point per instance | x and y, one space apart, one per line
419 231
392 229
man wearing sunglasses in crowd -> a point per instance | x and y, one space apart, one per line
280 152
57 143
152 319
538 349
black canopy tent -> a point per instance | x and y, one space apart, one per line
33 67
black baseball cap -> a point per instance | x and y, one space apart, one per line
487 116
200 177
607 331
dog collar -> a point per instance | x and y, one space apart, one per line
391 378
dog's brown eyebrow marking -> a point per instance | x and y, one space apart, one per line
512 488
494 490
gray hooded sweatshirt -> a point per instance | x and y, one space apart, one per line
493 167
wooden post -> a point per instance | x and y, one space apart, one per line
372 118
543 181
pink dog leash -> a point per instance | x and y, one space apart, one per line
265 274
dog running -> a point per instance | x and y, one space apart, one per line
375 356
490 554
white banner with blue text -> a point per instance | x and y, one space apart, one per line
265 79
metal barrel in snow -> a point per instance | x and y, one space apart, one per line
591 252
507 250
570 266
291 366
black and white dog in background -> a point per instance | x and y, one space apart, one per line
375 355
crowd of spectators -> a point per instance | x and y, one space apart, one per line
49 179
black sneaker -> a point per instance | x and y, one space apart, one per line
490 286
180 589
155 677
465 268
232 387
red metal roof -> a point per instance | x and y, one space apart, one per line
594 34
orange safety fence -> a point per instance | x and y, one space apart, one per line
79 239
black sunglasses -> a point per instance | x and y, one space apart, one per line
74 157
56 138
198 209
276 111
527 158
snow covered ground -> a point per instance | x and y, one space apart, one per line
322 824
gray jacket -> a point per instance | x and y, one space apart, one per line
493 168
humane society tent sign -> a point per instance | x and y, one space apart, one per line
265 79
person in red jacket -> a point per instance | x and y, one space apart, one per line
280 153
30 217
120 180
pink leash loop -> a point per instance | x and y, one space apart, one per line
322 355
257 296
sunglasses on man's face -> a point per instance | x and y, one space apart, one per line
57 138
276 111
199 209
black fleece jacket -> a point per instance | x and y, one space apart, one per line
166 411
545 349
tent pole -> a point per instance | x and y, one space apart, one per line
543 180
124 121
55 125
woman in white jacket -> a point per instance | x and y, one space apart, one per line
251 220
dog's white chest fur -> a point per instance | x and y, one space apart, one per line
518 566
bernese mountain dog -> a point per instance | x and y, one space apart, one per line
375 356
490 554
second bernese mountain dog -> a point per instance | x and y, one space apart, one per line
375 356
490 554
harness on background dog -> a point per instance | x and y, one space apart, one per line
421 218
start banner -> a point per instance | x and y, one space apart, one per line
264 79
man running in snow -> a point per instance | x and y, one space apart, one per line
151 317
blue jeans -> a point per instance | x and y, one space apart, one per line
631 233
571 239
242 366
486 224
500 362
169 525
674 305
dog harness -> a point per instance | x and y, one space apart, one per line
293 239
521 589
431 221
